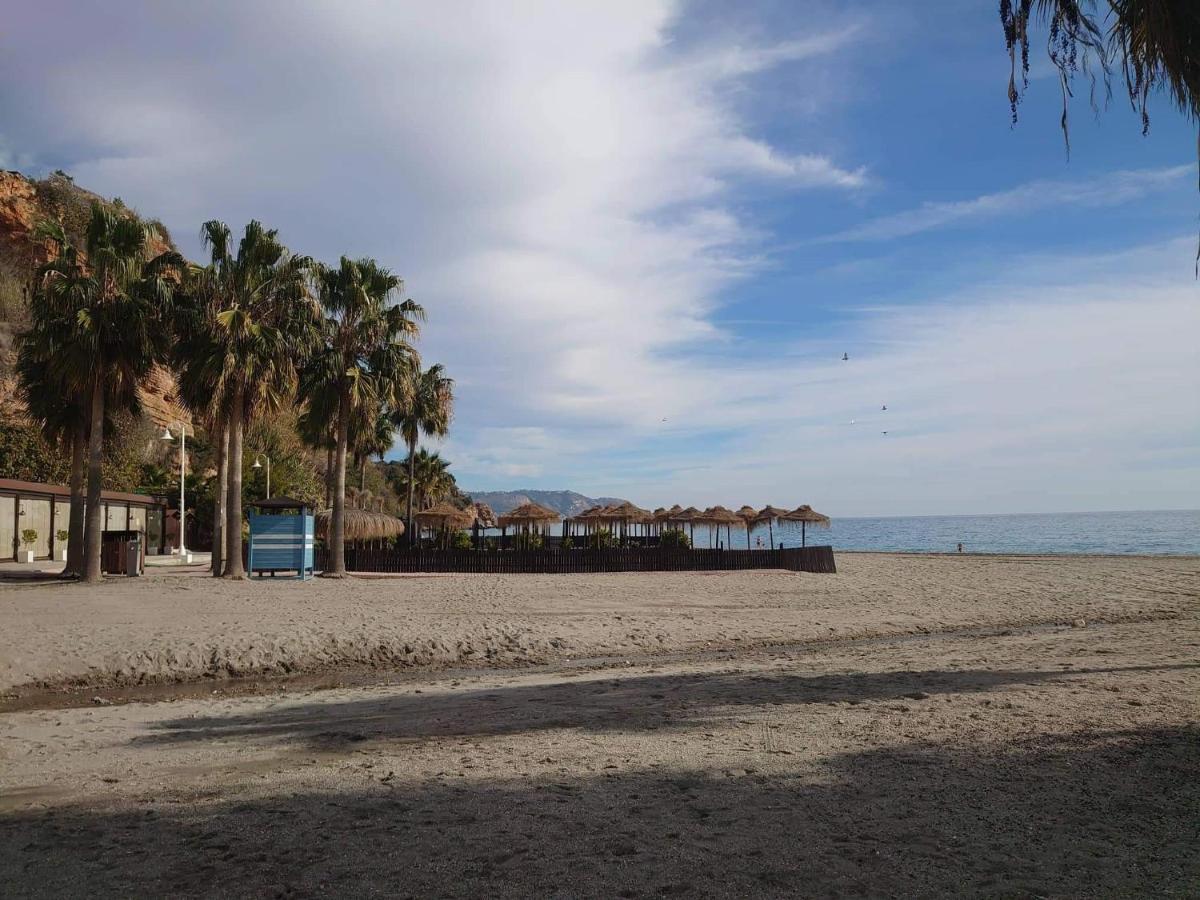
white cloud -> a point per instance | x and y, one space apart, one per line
1112 189
557 183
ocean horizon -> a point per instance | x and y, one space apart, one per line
1154 532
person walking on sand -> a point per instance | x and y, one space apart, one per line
960 546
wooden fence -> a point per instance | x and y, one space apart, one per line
557 561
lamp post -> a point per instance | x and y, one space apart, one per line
167 436
259 465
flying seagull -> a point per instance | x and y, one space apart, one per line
885 407
845 357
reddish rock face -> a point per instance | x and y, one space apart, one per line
22 209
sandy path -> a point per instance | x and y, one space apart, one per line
1061 762
177 627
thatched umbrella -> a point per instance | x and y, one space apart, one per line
444 517
526 516
748 515
361 525
770 515
719 515
690 517
806 515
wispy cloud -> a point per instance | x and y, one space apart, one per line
1112 189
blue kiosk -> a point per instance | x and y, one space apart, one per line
282 535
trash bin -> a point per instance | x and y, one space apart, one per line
133 556
114 555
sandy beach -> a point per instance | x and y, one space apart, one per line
170 628
901 754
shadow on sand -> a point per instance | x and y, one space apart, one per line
1105 814
1108 813
647 702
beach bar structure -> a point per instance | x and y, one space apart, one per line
35 508
282 538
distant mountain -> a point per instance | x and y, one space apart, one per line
566 503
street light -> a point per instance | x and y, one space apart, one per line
259 465
168 437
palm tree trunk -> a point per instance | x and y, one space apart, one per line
329 476
234 567
92 524
75 521
362 475
337 524
412 462
219 498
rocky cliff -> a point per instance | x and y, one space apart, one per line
24 204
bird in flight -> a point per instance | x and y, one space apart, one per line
885 407
883 432
845 357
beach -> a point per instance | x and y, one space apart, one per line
186 627
911 726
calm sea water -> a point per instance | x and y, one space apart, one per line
1173 532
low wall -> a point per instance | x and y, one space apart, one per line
557 561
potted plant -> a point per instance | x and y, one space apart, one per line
61 536
29 537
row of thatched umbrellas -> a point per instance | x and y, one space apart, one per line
627 514
367 525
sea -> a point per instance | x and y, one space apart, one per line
1167 532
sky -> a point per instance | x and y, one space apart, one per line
646 233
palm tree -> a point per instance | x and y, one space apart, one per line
259 323
372 437
361 364
62 418
430 479
429 412
107 311
201 389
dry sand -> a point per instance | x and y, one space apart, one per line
186 627
1040 761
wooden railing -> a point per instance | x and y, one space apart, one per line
557 561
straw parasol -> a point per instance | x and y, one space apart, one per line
719 515
806 515
770 515
444 515
526 517
528 514
361 525
748 514
690 517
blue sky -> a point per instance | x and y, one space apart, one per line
646 233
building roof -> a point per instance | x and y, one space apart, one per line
16 486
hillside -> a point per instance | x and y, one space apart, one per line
566 503
24 204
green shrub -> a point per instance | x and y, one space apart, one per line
29 536
601 539
460 541
61 535
674 537
567 543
